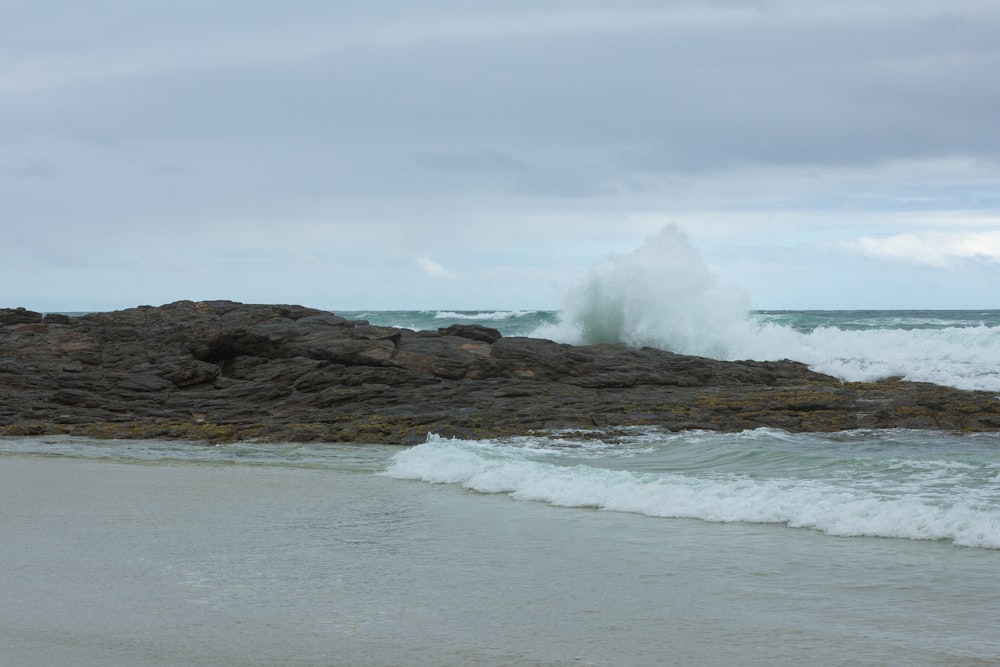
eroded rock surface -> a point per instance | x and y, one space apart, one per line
222 371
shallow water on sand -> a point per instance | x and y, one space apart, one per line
167 561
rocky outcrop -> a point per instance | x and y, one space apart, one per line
222 371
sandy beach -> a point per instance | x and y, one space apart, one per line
173 563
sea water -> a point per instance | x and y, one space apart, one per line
759 548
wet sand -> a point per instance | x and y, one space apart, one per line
111 563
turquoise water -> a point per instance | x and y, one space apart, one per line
518 552
889 483
508 322
806 321
527 322
959 348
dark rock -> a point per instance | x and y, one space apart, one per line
185 371
473 332
145 382
220 371
13 366
56 318
76 397
9 316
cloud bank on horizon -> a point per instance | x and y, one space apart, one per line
453 154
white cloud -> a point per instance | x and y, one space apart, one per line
434 269
517 143
932 248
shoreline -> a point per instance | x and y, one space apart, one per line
125 563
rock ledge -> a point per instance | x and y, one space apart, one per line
222 371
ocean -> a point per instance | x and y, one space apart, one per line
958 348
646 548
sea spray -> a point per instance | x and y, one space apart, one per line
664 295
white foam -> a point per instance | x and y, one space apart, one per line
833 508
482 315
664 295
963 357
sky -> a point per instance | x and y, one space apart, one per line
448 154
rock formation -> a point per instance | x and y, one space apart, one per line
222 371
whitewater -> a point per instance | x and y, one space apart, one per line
665 295
900 484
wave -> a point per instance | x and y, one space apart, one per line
928 505
664 295
509 322
962 357
482 315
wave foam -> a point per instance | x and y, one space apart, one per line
482 315
834 509
664 295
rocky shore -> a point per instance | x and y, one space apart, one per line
222 371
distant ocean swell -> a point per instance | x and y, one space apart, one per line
750 477
508 322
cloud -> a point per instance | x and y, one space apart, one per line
932 248
30 168
486 159
433 269
536 135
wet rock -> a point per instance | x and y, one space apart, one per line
472 332
221 371
19 315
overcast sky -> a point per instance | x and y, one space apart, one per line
409 154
